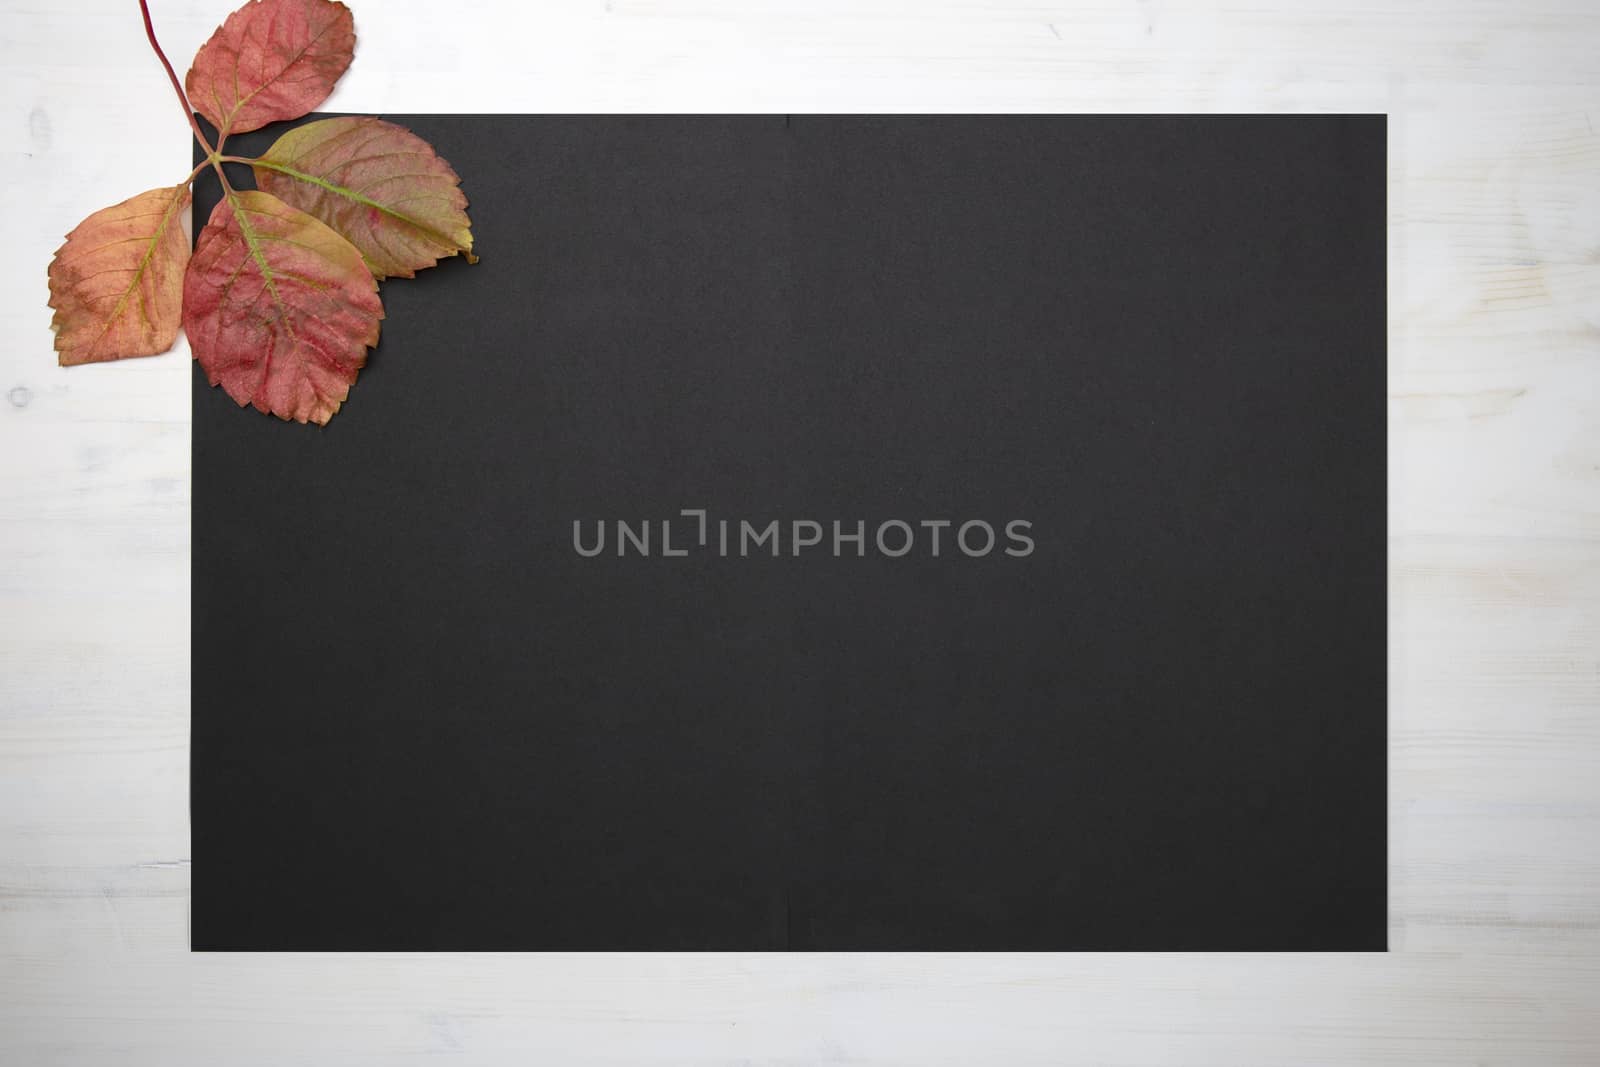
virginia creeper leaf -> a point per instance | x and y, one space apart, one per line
279 309
271 60
117 283
379 185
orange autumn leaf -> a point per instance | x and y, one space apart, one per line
379 185
279 309
117 283
271 60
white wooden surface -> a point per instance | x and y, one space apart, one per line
1495 553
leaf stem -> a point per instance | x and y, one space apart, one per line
177 87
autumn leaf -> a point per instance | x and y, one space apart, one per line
117 284
271 60
279 309
379 185
280 297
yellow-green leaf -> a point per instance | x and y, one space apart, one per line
377 184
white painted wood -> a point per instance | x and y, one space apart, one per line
1495 553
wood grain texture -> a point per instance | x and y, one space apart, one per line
1495 554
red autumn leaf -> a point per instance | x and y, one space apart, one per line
271 60
379 185
117 283
279 309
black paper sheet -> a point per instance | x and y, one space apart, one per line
1150 717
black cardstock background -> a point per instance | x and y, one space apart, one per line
422 721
